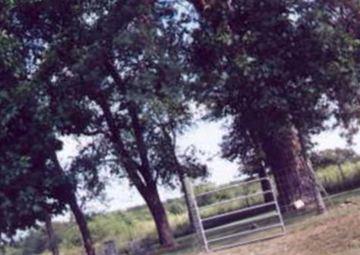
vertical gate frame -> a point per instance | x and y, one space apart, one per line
199 222
195 214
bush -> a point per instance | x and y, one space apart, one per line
34 243
176 207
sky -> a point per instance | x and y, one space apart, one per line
206 137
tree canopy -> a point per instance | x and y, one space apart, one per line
268 63
26 143
335 156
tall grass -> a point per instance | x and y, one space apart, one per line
334 181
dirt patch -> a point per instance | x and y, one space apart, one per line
336 233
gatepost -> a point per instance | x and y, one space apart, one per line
195 214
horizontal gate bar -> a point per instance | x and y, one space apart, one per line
245 233
235 199
232 186
240 210
246 242
242 222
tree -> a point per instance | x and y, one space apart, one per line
52 239
280 68
34 185
335 156
119 82
106 76
249 155
24 189
25 184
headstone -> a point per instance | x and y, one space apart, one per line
299 204
110 248
136 248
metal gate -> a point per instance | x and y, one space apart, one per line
247 216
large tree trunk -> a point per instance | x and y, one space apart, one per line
53 246
139 174
82 224
151 195
294 179
157 210
320 203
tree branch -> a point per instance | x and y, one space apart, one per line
130 165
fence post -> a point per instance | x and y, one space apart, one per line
195 214
278 210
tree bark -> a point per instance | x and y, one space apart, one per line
187 199
139 173
157 210
320 203
293 178
68 195
342 173
265 184
151 195
53 247
82 224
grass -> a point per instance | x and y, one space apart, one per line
335 233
